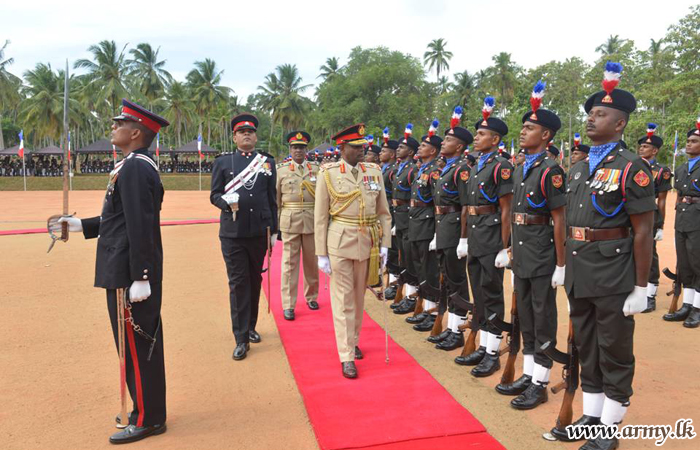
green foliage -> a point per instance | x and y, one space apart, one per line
173 182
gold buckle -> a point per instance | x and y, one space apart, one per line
579 233
472 210
520 218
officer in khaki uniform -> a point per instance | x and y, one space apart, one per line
296 190
353 234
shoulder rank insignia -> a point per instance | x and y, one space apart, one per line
505 173
557 181
641 178
464 175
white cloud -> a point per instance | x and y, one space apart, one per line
248 39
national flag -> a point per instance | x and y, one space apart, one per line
157 144
675 145
199 146
20 152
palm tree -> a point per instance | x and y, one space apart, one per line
463 86
108 71
503 77
330 68
611 46
9 88
43 109
205 84
281 97
443 85
149 72
436 56
180 107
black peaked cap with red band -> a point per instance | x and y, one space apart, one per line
131 112
245 121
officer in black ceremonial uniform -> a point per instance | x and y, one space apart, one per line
649 147
421 229
401 199
130 257
387 158
486 199
610 212
243 187
688 232
538 237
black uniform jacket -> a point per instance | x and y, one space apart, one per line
129 246
404 173
485 187
542 191
620 186
446 181
421 224
257 205
688 185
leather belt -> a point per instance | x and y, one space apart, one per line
531 219
688 199
447 209
298 205
586 234
482 210
396 202
420 204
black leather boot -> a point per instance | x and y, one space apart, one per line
680 315
488 366
693 319
453 341
408 307
439 337
517 387
390 292
651 304
472 359
600 443
584 420
417 318
425 325
534 395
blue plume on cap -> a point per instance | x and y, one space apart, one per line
613 67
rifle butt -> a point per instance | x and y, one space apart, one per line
674 304
437 327
399 293
470 344
508 374
566 413
419 307
559 387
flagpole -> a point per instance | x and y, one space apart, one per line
24 172
675 152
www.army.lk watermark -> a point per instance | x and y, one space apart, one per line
659 433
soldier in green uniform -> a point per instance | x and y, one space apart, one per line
649 147
421 229
387 158
454 288
486 201
688 232
401 199
538 236
610 214
579 151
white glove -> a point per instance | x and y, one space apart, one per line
433 244
462 248
231 197
393 230
502 259
139 291
273 241
558 276
636 302
659 236
384 253
324 264
74 224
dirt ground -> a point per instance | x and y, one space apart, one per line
59 371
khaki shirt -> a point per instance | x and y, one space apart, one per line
296 185
337 237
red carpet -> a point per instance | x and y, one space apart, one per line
162 224
373 411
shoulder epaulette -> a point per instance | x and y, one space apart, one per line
330 165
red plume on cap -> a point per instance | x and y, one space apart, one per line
697 125
611 78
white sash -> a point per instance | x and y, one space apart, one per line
246 174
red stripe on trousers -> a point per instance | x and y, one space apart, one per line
137 371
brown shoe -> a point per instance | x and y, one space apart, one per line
349 369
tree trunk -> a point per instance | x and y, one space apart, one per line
2 138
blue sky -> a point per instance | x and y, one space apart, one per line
248 39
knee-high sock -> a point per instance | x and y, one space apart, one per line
540 374
528 364
483 338
494 341
613 412
696 301
688 295
428 305
410 290
456 322
593 404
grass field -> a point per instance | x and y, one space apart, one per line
173 182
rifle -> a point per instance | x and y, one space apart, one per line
426 290
570 380
269 272
473 325
676 291
441 308
512 340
